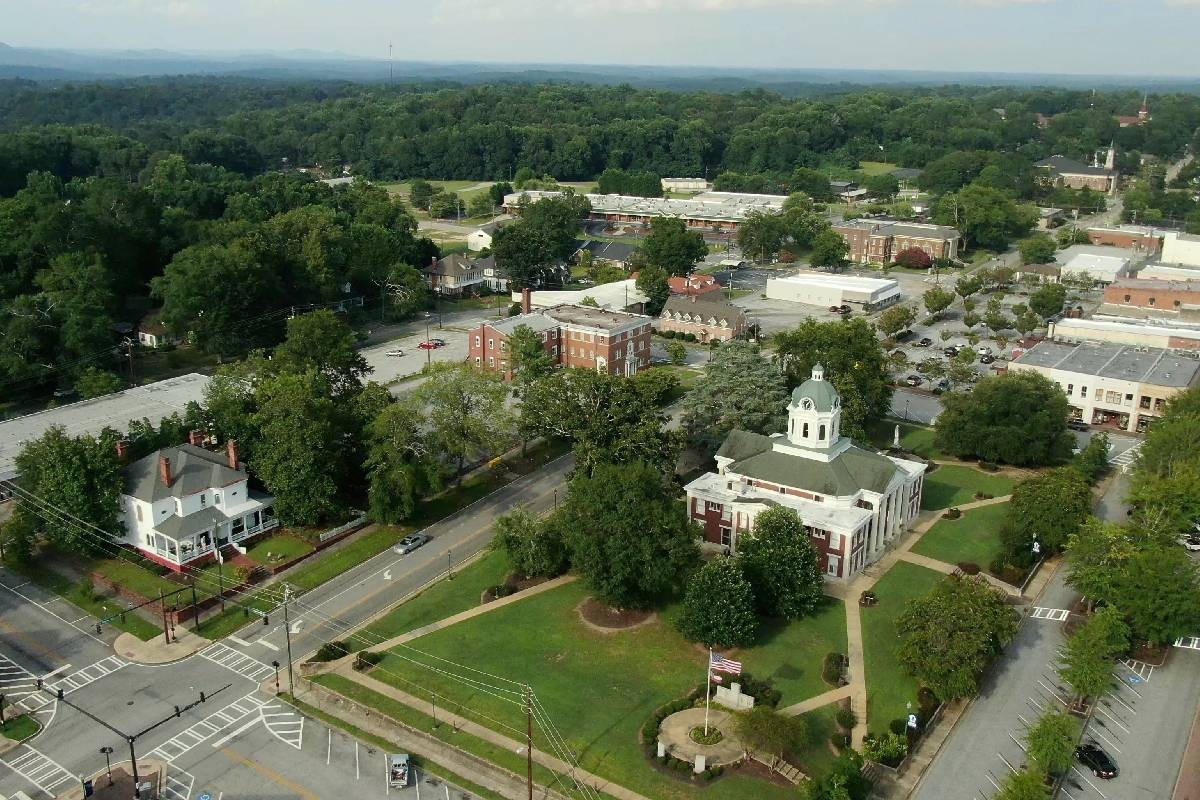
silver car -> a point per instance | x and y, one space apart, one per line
410 543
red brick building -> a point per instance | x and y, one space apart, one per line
1159 295
708 318
1132 237
575 336
879 241
693 284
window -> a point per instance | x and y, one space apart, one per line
1178 304
491 361
1126 298
804 431
833 568
139 506
1128 399
782 490
477 341
1151 301
1112 397
178 507
1083 391
216 497
491 343
478 359
203 499
726 536
709 505
821 434
1070 388
1144 402
835 540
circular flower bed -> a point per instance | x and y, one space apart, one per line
698 735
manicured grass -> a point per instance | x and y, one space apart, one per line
94 603
277 548
870 168
790 654
443 599
914 438
599 689
817 759
889 686
581 187
20 728
135 577
952 485
973 537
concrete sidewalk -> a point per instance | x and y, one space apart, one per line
820 701
1187 785
156 651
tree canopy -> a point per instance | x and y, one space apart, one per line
671 246
740 389
782 565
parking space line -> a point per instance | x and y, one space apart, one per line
1132 710
1113 719
1093 732
357 774
328 745
233 734
1089 783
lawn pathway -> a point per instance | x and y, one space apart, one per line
821 700
604 785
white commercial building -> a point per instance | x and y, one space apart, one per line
1113 385
1098 264
713 212
615 296
1116 331
825 289
685 185
1181 248
1165 272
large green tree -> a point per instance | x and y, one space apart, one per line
740 389
1038 249
535 548
652 282
466 412
1050 743
1017 418
948 636
530 360
986 216
1158 589
672 246
401 464
1086 662
322 342
627 536
718 606
782 565
1046 508
829 251
1047 300
854 362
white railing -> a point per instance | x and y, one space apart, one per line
359 518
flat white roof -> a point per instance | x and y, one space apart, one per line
1081 326
152 401
717 206
614 296
844 282
1096 264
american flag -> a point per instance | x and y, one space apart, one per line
719 663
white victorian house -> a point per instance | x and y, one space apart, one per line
183 503
853 501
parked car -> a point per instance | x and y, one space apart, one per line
983 350
950 351
410 543
914 380
1092 756
438 342
429 345
1077 425
835 309
986 358
926 342
394 353
845 309
1191 543
942 385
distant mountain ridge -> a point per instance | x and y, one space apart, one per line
62 64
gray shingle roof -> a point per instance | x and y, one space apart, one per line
821 392
705 306
1069 166
176 526
193 469
740 444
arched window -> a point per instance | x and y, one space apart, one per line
821 434
804 431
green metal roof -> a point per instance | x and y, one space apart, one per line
740 444
853 470
821 392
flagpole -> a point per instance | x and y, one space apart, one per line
707 689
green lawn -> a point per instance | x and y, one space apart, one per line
135 577
790 654
973 537
443 599
817 759
889 686
97 604
277 548
870 168
20 728
598 689
952 485
915 438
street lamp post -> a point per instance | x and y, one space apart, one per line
275 664
107 751
449 565
428 348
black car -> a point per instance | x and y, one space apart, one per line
925 342
1077 425
987 359
1095 759
950 351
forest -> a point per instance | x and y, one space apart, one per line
177 195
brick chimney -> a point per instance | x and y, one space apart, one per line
164 470
231 451
196 438
526 300
123 450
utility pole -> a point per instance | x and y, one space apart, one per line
529 740
287 631
195 609
162 604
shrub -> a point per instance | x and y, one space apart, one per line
952 513
689 337
927 702
366 659
668 334
840 741
763 692
331 651
846 718
888 749
831 669
898 726
968 567
983 496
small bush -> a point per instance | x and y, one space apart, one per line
831 669
846 718
898 726
888 749
366 659
667 334
968 567
952 513
988 466
331 651
840 741
983 496
763 692
689 337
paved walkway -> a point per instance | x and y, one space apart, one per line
155 651
487 734
821 700
675 733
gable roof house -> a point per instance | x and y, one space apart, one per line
458 274
1063 171
619 253
853 500
183 504
707 317
693 284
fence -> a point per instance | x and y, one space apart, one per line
359 520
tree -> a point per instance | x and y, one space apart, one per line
844 780
937 300
1037 249
812 182
534 548
626 535
829 251
718 607
967 285
604 416
1047 509
1024 785
782 565
1092 460
1026 322
79 476
467 415
1159 592
652 282
96 382
497 191
1096 556
895 319
949 635
676 352
740 389
854 362
986 216
761 235
1017 418
764 730
529 358
996 321
480 205
672 246
300 453
1050 743
18 537
401 464
1048 299
881 186
321 342
1085 663
420 192
914 258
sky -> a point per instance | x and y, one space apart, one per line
1112 37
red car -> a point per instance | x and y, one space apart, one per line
432 344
